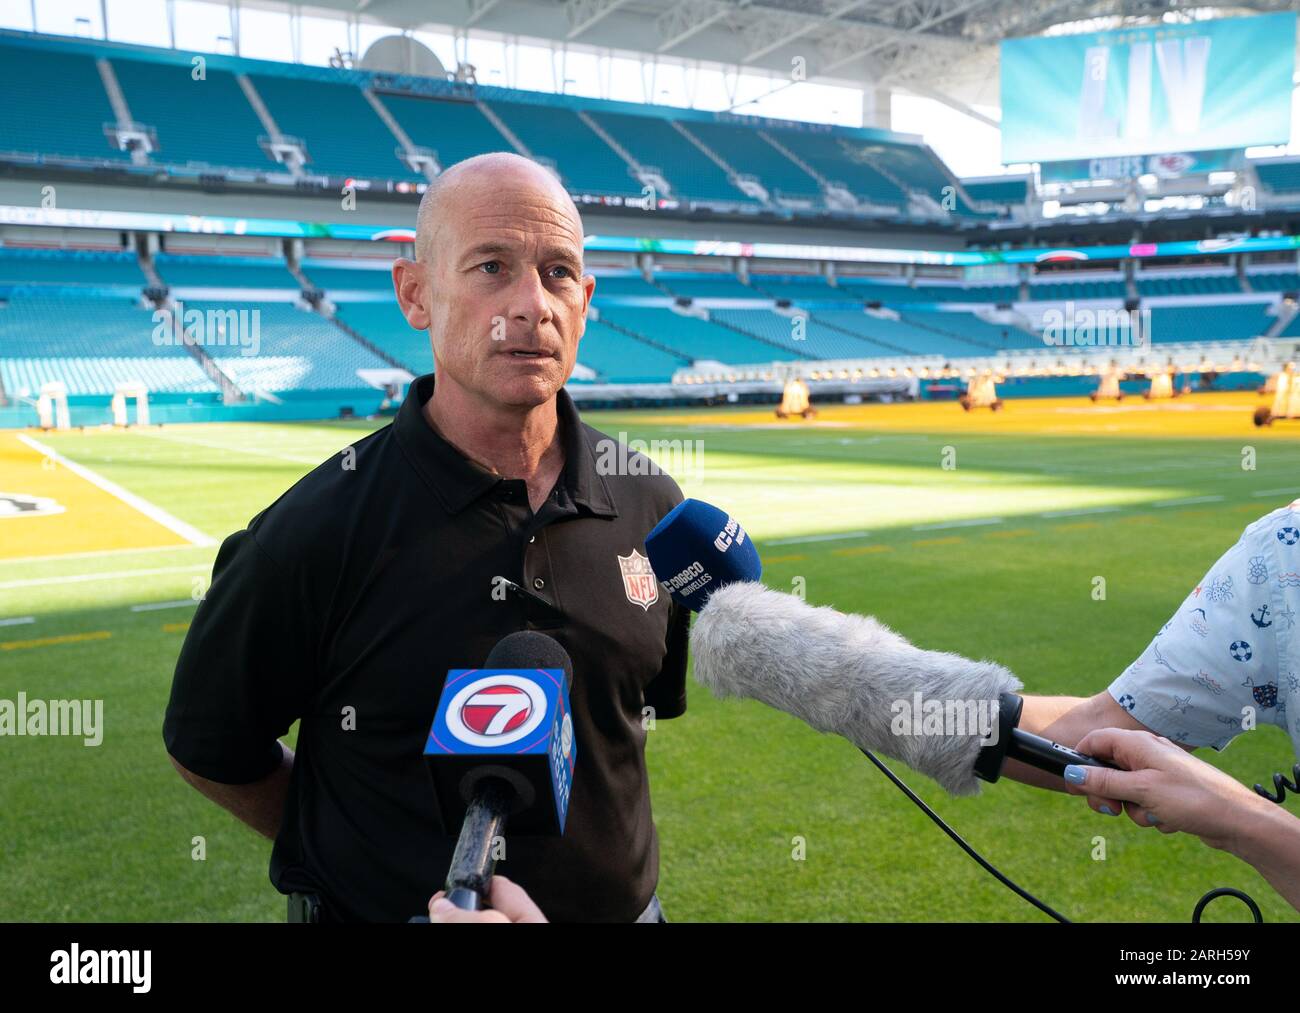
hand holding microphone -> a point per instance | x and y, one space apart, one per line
507 904
1160 785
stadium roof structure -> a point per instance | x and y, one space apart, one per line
942 48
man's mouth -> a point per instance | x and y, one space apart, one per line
520 354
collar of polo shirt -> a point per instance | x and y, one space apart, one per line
436 460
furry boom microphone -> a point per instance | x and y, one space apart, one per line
847 674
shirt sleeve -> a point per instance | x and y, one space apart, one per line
1216 663
667 690
244 671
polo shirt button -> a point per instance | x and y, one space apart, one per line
538 583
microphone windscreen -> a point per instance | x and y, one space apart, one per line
853 676
531 649
697 549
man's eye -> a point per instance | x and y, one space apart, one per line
491 267
567 272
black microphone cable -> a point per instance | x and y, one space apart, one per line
1281 784
988 867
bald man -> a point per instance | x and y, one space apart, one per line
487 507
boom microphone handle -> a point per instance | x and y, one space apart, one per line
1034 750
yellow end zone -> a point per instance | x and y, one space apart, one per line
49 510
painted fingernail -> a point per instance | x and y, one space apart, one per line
1107 810
1151 819
1075 774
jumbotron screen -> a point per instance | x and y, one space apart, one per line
1142 91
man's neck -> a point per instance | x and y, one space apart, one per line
513 443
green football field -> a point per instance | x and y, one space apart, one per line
976 536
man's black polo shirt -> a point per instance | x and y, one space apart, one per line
357 590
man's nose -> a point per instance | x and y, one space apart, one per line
530 302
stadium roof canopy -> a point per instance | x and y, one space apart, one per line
921 45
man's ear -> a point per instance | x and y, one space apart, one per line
589 287
408 282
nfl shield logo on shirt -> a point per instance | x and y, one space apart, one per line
639 582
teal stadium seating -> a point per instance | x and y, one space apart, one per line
834 158
1011 191
1280 177
206 122
1214 322
335 278
224 272
619 358
69 267
819 340
746 152
298 350
583 159
453 130
382 324
1274 281
91 343
697 285
344 136
692 337
54 104
1189 284
652 141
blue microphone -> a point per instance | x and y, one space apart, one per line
501 748
697 549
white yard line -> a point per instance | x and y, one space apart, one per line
226 448
1083 511
97 553
815 538
81 578
174 524
1187 502
157 605
970 523
20 621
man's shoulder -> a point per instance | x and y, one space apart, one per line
628 464
317 513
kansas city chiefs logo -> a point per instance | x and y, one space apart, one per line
639 582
